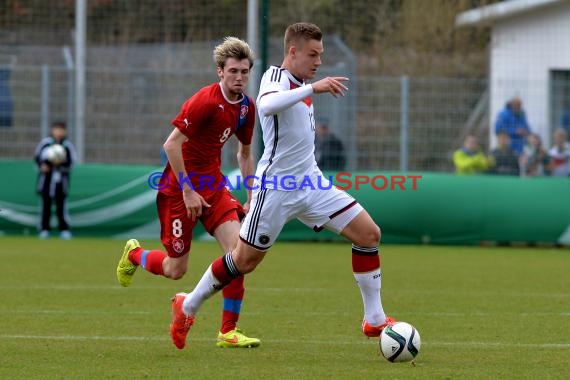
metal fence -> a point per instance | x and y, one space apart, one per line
137 76
385 123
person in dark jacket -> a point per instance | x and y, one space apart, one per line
512 121
329 151
54 156
505 161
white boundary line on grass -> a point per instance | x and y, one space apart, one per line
415 313
260 289
325 342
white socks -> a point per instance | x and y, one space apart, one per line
370 284
207 287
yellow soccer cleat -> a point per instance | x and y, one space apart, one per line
126 269
236 339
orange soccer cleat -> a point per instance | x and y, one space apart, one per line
375 331
181 322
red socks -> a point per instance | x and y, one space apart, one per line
233 298
225 271
365 259
151 261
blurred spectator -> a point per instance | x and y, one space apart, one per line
505 161
535 160
470 159
329 151
6 101
565 123
53 179
560 154
512 120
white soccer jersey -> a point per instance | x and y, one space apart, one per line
289 135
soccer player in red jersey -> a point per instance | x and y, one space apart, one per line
192 185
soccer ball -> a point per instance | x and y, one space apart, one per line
56 154
400 342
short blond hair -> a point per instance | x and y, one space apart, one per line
232 47
301 31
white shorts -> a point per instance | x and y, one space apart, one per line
317 208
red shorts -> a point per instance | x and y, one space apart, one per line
176 227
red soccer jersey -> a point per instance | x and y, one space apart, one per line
208 119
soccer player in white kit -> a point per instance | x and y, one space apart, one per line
287 118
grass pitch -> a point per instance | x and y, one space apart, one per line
501 313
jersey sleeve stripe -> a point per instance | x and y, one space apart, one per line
276 74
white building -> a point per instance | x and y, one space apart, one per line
529 58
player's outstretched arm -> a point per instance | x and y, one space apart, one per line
272 103
333 85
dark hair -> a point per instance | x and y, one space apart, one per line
59 124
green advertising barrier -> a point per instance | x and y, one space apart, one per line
450 209
117 201
105 200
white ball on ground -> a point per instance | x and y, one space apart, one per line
400 342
